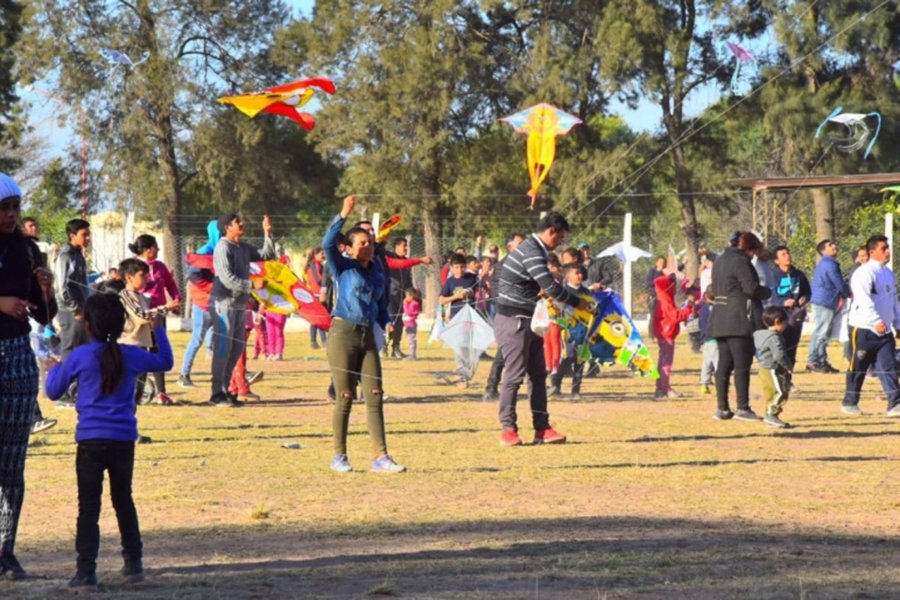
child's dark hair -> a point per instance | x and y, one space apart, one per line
76 225
708 294
773 314
553 260
458 259
142 244
414 293
569 267
132 266
105 316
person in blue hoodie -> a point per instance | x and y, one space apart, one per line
106 431
829 292
199 287
352 353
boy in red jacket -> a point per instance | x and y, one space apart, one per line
666 319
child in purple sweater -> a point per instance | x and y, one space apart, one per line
106 430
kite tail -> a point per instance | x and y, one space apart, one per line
735 77
833 114
875 135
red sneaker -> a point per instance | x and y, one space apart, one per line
164 399
548 436
510 437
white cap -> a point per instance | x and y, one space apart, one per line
8 187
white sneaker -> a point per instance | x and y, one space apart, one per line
894 412
851 410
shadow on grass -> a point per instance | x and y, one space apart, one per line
717 463
535 558
797 435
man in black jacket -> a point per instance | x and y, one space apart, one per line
523 279
72 293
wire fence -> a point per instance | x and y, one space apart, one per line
109 246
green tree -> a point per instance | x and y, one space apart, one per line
10 29
412 81
831 54
663 50
142 118
54 201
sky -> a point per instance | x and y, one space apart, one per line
43 114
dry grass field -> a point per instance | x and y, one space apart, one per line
650 499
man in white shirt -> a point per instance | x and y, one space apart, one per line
873 312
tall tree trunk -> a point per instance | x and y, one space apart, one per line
431 230
824 207
171 212
689 225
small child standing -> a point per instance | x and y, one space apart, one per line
457 291
553 335
261 343
774 364
666 321
708 345
411 309
574 274
141 319
106 431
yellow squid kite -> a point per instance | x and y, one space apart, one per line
542 123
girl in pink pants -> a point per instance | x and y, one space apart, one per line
275 334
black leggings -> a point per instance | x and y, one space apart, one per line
735 355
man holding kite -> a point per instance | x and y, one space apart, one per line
524 278
228 300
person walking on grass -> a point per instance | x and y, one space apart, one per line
106 431
39 337
412 307
738 296
775 366
458 291
709 346
228 301
829 292
874 311
315 281
491 388
72 292
523 278
141 321
26 286
792 293
159 283
666 320
574 274
352 353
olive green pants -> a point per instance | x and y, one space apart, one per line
354 361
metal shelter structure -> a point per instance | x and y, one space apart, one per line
771 195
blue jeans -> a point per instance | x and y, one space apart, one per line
201 322
870 349
822 318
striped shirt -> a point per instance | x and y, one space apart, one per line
523 276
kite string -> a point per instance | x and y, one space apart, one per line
693 130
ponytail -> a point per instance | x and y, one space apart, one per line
105 317
111 366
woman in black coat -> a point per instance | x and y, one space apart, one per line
737 305
26 288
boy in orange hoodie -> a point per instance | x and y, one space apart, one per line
666 320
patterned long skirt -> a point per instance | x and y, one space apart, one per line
18 398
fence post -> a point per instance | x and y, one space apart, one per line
889 234
626 271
